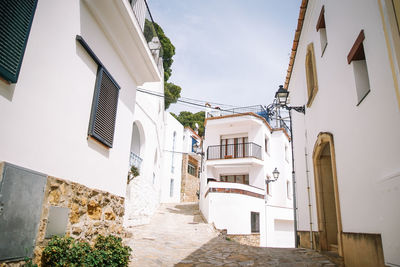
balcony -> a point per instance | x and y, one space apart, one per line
234 151
134 40
146 23
135 160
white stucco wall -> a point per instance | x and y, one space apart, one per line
143 192
45 115
172 158
365 136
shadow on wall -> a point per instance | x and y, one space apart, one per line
189 210
219 251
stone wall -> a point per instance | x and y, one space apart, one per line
91 212
189 184
249 240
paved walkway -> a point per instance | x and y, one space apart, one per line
177 236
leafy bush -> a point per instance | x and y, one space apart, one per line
66 251
29 263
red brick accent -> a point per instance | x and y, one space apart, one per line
233 191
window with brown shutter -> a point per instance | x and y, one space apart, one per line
105 102
321 28
356 57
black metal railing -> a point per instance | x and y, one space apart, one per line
240 150
146 23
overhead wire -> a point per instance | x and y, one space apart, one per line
143 90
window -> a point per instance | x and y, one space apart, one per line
286 153
171 188
255 222
266 144
356 57
192 169
241 179
234 147
311 75
104 108
322 30
15 25
105 102
268 186
288 190
173 151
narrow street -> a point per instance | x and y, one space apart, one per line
177 236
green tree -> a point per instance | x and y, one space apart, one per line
168 51
172 92
189 119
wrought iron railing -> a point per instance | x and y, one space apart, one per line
146 23
135 160
240 150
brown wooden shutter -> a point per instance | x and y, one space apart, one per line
357 51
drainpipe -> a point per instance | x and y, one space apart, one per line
293 184
309 196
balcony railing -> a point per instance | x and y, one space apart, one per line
146 23
135 160
240 150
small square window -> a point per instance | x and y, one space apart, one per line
321 28
288 190
356 57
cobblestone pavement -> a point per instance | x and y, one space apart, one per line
177 236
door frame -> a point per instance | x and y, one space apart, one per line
323 140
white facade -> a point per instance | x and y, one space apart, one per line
365 133
45 115
228 204
172 161
143 192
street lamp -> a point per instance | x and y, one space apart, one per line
281 98
275 174
282 95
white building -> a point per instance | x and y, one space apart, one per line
172 161
241 152
67 111
147 150
345 68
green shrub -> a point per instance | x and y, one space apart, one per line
66 251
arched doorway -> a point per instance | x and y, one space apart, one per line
137 145
327 195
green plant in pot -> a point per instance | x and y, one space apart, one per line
134 172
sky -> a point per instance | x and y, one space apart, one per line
233 52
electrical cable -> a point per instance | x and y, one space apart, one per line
179 100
